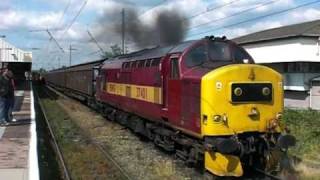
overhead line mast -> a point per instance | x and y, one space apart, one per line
123 30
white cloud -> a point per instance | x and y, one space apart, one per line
27 19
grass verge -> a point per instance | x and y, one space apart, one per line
83 159
305 126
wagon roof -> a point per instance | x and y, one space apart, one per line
79 65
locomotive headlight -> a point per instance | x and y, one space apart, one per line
279 116
237 91
217 118
266 91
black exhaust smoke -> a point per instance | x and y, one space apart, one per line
169 27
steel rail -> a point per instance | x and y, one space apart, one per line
94 142
266 174
56 146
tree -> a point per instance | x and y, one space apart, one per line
42 71
115 51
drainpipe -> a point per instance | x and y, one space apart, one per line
310 97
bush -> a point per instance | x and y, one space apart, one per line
305 126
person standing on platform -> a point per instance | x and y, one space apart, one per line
10 96
4 90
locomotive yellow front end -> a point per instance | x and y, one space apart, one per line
241 110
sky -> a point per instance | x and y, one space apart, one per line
24 23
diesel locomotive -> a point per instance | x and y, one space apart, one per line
205 100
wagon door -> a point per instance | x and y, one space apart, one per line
94 79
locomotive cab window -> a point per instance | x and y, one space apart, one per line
196 56
219 51
174 63
240 55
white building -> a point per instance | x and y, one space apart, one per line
9 53
294 51
17 60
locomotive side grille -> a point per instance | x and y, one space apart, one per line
251 92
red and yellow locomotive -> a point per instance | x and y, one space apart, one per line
204 99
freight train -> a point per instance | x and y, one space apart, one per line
205 100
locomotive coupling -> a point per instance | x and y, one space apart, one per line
286 141
225 145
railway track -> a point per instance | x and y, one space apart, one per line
267 175
66 173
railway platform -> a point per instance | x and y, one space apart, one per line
18 140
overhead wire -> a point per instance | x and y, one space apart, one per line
153 7
234 14
75 17
71 23
256 18
210 9
64 13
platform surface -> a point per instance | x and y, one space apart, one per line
18 152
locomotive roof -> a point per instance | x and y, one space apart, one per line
155 52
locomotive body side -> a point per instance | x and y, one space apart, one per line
148 87
133 88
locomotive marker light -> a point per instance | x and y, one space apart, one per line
279 116
237 91
266 91
217 118
218 85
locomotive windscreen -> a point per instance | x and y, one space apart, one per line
216 52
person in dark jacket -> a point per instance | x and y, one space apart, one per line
9 97
4 89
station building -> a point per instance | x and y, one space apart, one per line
17 60
294 51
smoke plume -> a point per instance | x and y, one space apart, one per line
168 27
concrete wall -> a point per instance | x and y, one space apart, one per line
315 95
296 99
